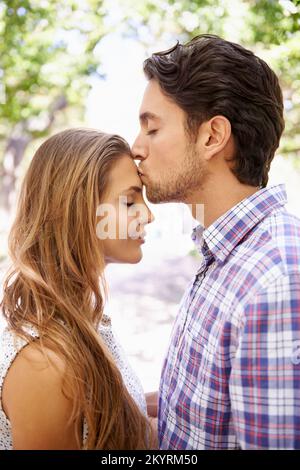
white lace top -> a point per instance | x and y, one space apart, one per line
11 345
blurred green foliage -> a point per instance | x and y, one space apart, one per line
46 59
46 52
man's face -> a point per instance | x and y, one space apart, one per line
171 167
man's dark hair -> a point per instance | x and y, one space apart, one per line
209 76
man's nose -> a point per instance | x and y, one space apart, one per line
139 150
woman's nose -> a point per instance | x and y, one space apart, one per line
146 216
151 217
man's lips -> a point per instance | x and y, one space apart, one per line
141 172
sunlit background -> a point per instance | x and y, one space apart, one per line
79 63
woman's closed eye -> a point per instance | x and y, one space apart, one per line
152 132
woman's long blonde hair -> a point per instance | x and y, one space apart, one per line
56 282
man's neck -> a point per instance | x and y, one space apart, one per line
214 200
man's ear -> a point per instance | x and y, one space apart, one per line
214 135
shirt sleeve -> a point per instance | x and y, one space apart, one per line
265 377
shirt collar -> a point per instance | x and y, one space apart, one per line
219 239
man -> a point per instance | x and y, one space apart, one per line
211 120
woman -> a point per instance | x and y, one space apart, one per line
64 383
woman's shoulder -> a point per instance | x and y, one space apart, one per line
33 371
34 358
11 345
34 400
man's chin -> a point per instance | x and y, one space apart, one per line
156 197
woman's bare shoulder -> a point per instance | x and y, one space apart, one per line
34 401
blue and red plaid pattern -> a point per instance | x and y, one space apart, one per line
231 377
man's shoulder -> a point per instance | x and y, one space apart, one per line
269 252
275 240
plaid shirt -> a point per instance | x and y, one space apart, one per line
231 378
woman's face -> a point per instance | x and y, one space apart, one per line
123 214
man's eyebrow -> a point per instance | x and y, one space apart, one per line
137 189
144 117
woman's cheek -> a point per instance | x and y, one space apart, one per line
122 224
133 226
